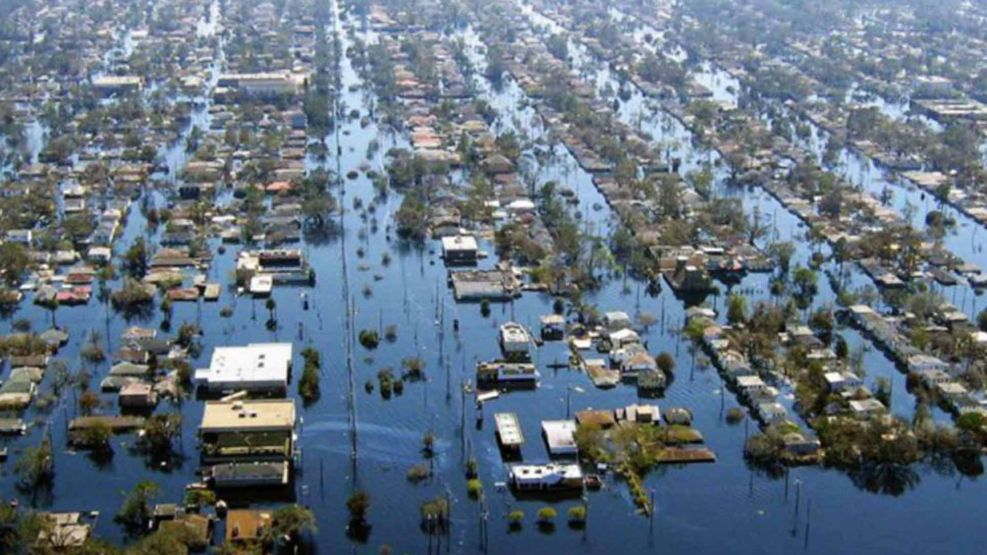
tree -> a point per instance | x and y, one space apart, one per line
736 309
665 362
982 320
97 436
412 217
358 504
136 510
160 431
755 228
590 441
13 262
88 402
272 306
428 444
546 516
805 282
369 339
318 207
831 204
61 378
822 324
290 522
135 260
577 514
308 385
782 253
36 467
18 530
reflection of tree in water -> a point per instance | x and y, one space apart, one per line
885 478
102 459
7 310
773 470
969 463
317 236
140 312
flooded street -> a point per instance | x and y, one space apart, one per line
393 80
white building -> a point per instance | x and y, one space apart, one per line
546 476
262 84
866 408
22 236
459 249
258 367
560 435
515 341
616 320
113 84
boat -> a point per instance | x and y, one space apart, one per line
545 477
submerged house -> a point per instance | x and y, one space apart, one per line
280 265
236 435
545 477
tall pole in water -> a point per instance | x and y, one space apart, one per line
651 513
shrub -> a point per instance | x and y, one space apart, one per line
369 339
358 504
417 473
308 385
435 515
385 379
201 497
474 488
735 415
414 368
546 515
577 514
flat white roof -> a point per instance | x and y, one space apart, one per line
560 436
459 243
509 429
750 381
255 363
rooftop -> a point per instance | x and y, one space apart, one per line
255 415
459 243
252 364
509 429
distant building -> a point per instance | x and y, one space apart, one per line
109 85
262 84
866 408
22 236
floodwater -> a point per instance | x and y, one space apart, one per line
722 506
